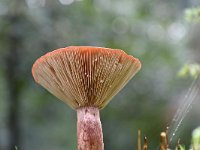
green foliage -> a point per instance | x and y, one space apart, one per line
191 70
181 147
196 138
16 148
192 14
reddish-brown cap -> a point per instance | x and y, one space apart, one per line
83 75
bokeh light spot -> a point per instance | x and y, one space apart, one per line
120 25
3 9
176 31
35 3
155 32
66 2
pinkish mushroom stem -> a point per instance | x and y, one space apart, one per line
89 129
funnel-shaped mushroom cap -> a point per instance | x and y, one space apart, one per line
85 76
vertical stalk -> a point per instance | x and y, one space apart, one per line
89 129
139 140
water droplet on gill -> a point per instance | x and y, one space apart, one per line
120 65
101 57
173 134
79 104
95 59
101 81
115 64
85 73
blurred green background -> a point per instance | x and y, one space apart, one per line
153 31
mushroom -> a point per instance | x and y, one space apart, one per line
86 78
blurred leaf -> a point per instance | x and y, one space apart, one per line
196 138
192 14
192 70
182 147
